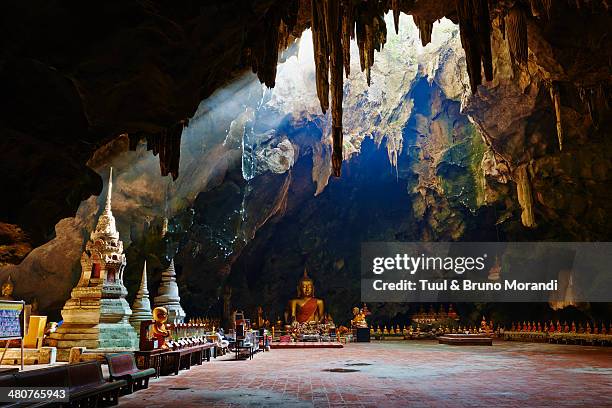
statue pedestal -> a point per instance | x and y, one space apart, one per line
101 335
118 335
362 335
94 324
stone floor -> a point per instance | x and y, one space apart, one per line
395 374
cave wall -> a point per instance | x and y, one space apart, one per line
76 75
546 126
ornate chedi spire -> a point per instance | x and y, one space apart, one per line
141 308
96 315
168 295
106 227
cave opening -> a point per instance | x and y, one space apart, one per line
404 131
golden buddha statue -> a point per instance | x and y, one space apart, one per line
7 289
359 318
158 328
260 318
305 308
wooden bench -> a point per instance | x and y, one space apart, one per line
84 381
122 366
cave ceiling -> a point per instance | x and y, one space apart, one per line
74 75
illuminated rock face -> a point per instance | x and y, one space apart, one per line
96 315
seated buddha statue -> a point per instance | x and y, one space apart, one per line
159 331
305 308
359 318
7 289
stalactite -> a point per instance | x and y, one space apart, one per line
525 196
333 24
535 7
603 95
396 14
483 28
168 145
283 36
290 17
371 34
348 33
540 6
547 4
321 52
589 98
264 54
556 101
516 32
475 31
425 28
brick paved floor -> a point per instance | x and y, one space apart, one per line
395 374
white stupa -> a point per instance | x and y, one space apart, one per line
168 295
141 308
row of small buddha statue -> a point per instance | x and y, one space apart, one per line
561 328
432 316
206 321
157 334
485 327
406 331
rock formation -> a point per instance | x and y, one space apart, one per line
525 197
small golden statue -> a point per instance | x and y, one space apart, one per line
306 307
34 306
7 289
159 331
359 319
260 318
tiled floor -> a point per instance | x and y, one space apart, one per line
394 374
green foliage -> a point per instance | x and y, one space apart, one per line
460 173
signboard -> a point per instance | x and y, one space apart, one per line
12 324
11 319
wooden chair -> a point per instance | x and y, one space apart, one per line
36 331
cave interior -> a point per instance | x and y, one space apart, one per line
251 139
